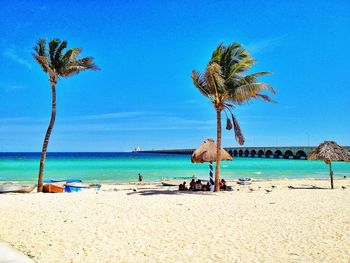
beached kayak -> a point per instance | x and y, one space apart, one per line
78 187
63 181
15 188
53 188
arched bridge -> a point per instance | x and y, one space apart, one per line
285 152
294 152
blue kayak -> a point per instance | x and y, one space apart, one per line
63 181
72 188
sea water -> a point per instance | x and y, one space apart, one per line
124 167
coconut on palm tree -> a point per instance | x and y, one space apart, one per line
226 83
57 65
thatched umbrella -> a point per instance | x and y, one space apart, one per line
206 152
329 151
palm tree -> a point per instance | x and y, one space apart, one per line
226 84
57 65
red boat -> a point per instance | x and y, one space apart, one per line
52 188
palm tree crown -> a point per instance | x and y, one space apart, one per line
224 82
56 64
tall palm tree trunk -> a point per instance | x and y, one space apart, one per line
47 136
331 174
218 150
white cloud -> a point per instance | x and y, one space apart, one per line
12 55
13 119
264 44
11 87
113 115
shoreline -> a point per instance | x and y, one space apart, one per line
187 180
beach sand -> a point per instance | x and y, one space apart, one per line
160 224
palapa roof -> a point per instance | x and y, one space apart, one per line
329 151
206 152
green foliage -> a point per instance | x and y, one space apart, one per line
58 64
225 82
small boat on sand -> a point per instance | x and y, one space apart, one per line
244 181
78 187
53 188
171 182
16 188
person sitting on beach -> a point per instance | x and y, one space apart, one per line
207 186
182 187
192 185
198 186
222 184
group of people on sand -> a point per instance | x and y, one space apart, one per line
199 186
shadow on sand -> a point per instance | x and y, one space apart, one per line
168 192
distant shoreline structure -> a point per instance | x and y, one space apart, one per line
137 149
283 152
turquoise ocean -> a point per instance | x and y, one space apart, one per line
124 167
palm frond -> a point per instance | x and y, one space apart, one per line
44 63
58 53
265 97
228 124
217 54
243 94
78 66
53 45
214 79
259 74
71 55
40 48
199 82
234 53
238 132
240 67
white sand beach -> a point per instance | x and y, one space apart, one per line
160 224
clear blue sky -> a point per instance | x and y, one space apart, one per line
146 50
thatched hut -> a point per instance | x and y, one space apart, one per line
206 152
328 152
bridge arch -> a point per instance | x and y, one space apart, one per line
269 153
260 153
300 155
253 153
278 154
246 153
235 153
240 153
288 155
230 152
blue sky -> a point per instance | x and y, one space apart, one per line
146 50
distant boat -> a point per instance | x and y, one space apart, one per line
137 149
53 188
78 187
15 188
